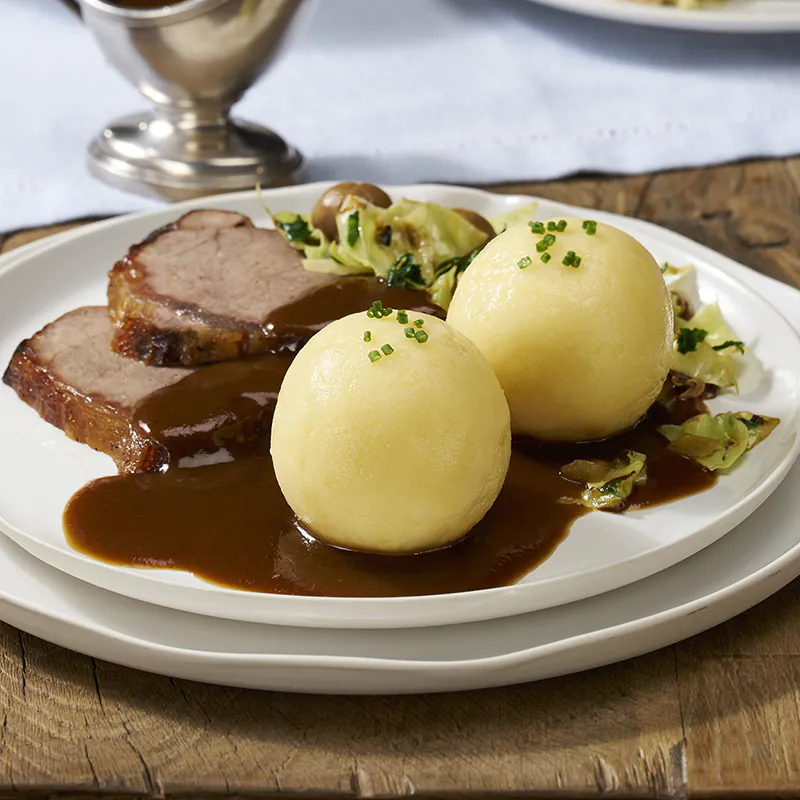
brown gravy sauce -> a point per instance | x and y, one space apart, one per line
217 510
332 301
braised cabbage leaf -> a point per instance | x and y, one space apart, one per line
609 484
718 442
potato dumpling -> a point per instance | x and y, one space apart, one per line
576 321
396 444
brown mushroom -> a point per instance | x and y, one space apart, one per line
474 218
330 203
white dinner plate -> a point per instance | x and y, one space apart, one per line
734 16
756 559
40 468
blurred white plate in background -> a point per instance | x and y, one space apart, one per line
734 16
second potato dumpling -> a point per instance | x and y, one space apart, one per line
576 320
391 434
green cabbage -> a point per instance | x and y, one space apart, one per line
519 216
709 318
442 288
718 442
433 233
609 485
706 348
415 244
758 427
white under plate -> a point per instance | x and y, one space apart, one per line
734 16
756 559
40 468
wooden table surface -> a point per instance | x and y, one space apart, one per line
715 715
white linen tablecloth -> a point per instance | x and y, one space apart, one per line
462 91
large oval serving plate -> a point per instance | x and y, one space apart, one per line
733 16
40 468
754 560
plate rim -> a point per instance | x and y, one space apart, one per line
470 600
721 20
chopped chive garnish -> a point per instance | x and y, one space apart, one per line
525 261
664 267
561 226
367 336
402 317
352 229
374 355
419 322
370 313
551 226
409 332
377 309
545 242
590 226
545 257
421 336
536 227
571 260
387 349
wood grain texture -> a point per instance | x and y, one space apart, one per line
715 715
11 241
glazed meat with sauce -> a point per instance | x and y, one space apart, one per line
203 289
69 374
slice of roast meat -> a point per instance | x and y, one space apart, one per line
203 290
212 287
69 374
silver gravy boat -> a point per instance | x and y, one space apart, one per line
193 59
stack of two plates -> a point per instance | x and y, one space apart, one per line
619 585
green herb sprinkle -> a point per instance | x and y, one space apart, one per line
689 338
730 343
525 261
352 229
